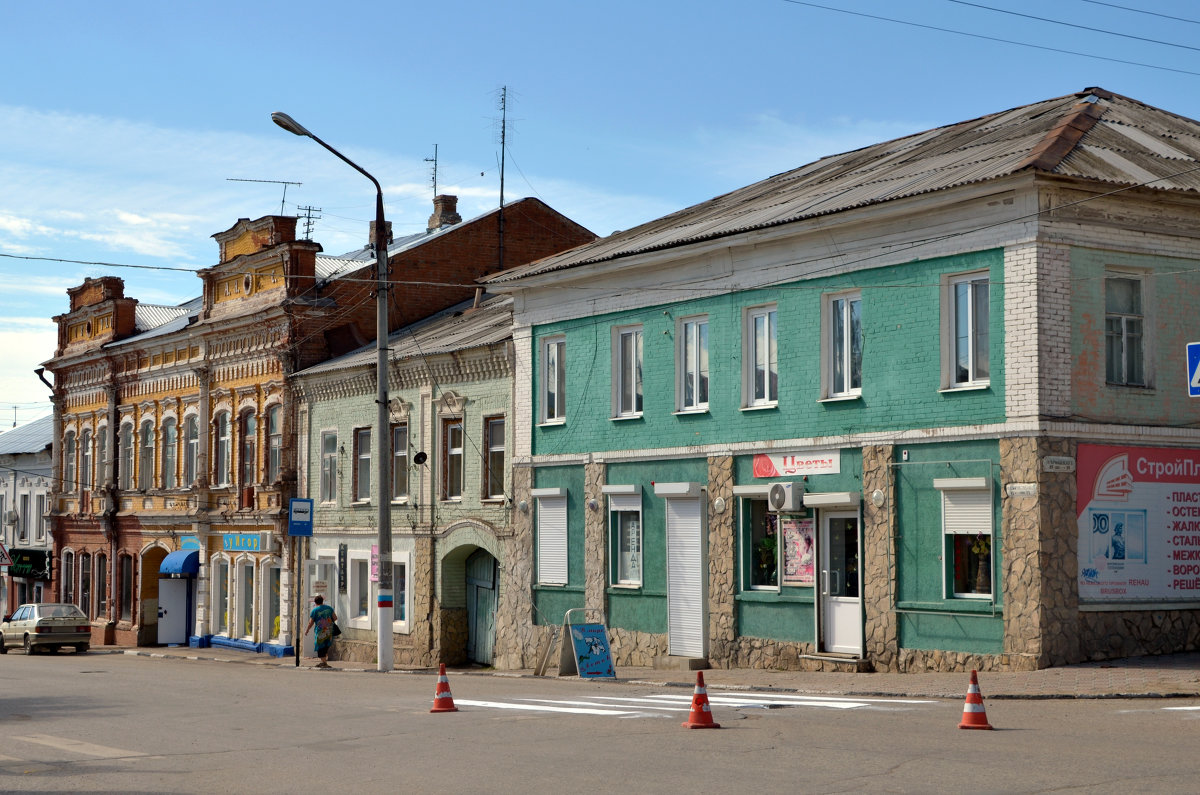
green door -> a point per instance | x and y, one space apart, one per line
482 576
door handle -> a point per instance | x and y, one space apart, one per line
833 575
825 582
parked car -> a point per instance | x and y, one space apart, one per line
45 626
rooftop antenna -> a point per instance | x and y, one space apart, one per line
503 144
273 182
434 161
310 218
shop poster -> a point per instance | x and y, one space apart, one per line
798 564
593 658
1138 511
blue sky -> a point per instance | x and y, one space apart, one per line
122 123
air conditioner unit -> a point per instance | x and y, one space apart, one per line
11 517
786 497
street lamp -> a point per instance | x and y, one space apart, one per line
383 482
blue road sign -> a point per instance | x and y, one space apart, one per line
1193 357
300 517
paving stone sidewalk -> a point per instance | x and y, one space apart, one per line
1166 676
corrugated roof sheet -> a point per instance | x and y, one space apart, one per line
1094 134
148 316
32 437
455 329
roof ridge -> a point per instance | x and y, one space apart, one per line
1062 139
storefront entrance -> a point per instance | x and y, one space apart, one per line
481 606
840 624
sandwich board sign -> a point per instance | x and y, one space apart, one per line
585 650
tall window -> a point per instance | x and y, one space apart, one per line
220 597
399 591
627 375
39 517
23 526
68 577
126 455
969 310
248 450
85 584
845 346
362 589
170 446
191 450
146 457
967 525
552 541
101 586
273 600
625 532
246 598
1123 323
101 471
362 464
452 461
70 481
762 357
221 449
274 442
554 380
85 459
494 465
693 364
127 589
328 466
399 461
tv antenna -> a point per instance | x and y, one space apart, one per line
273 182
434 161
311 215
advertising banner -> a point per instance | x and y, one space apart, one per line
774 465
798 550
1138 511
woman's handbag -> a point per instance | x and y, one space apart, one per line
336 629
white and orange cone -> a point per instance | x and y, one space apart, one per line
442 700
974 715
701 715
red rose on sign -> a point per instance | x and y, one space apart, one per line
763 468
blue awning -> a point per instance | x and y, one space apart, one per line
183 561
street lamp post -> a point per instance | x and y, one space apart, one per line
382 458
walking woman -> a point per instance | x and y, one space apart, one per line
323 618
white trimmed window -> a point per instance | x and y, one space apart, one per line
146 457
965 336
1124 324
329 466
245 604
85 459
362 464
552 540
272 604
452 459
625 538
627 371
170 441
220 597
191 450
39 517
126 459
358 589
101 468
400 599
400 461
493 476
70 482
967 531
554 379
274 443
247 448
221 461
843 345
761 358
692 363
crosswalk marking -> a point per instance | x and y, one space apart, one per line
1183 708
539 708
658 703
78 746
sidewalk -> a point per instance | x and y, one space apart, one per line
1166 676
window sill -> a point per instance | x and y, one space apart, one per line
552 423
965 388
761 407
982 605
1142 388
691 412
399 501
625 587
840 398
492 500
450 499
774 595
625 417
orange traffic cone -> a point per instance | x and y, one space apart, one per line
974 715
701 715
442 700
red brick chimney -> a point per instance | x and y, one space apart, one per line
371 239
445 212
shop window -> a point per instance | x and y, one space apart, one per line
362 464
761 357
552 540
554 379
125 453
85 584
760 545
221 448
39 517
127 589
102 586
85 459
400 595
967 531
273 614
625 538
146 457
220 597
360 592
493 465
1123 330
627 371
965 336
452 459
191 450
170 447
274 443
245 593
842 345
328 466
400 461
692 363
70 482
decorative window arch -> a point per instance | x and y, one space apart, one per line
170 453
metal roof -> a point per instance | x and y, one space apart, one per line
458 328
1094 134
32 437
148 316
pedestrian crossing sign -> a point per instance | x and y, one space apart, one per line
1193 363
5 558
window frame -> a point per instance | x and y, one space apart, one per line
85 459
359 583
494 458
191 450
1128 351
126 453
950 331
70 478
769 314
401 596
622 506
219 623
400 459
244 609
362 465
628 397
100 464
554 380
101 584
692 364
39 517
451 455
168 457
146 455
128 589
85 584
68 577
329 465
222 464
841 345
247 441
274 443
552 537
967 513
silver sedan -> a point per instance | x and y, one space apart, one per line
45 626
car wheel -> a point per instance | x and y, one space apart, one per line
28 646
81 648
3 648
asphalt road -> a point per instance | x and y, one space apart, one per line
116 723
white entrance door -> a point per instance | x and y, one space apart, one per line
321 579
687 601
841 608
172 611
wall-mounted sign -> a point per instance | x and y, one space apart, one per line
1058 463
300 517
189 542
244 542
774 465
342 564
1021 489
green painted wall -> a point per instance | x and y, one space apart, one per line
922 555
901 365
551 602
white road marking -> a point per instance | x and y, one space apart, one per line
78 747
1182 708
539 708
655 704
644 702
